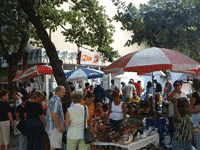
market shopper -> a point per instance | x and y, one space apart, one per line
74 120
100 95
177 93
20 111
5 119
182 138
35 121
195 103
87 89
168 88
55 118
128 91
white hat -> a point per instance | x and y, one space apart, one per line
98 83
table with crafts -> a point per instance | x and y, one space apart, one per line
153 139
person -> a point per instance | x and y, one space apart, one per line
22 90
91 88
113 88
35 121
141 89
33 84
195 103
87 89
71 86
128 90
44 103
5 119
168 87
100 95
89 102
123 97
137 86
17 96
80 88
117 112
20 111
158 87
135 98
182 138
158 92
74 120
27 87
55 118
177 93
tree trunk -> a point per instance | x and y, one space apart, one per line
50 48
12 71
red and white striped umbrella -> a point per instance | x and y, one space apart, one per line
34 71
196 70
152 59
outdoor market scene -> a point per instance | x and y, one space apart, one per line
100 75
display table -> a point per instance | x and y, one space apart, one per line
154 139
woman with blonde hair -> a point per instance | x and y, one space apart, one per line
35 122
75 121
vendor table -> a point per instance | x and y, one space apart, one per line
154 139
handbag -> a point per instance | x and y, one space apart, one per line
87 132
64 137
22 127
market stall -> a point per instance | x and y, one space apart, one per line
153 139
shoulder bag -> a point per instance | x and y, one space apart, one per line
87 133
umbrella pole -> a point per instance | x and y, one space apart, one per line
154 103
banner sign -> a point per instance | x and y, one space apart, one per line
90 58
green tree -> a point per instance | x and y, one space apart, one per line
45 14
172 24
90 27
14 36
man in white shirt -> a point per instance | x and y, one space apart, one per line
128 91
113 88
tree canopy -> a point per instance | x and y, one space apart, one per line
172 24
89 25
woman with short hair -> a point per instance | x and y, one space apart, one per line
5 119
75 121
35 122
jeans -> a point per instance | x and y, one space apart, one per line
22 142
35 131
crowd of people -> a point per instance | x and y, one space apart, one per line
40 116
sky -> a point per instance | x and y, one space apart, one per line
111 9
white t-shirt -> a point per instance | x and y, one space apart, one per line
113 87
76 127
171 105
129 90
117 112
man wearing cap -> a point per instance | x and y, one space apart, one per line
100 95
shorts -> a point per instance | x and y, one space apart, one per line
55 137
115 123
4 132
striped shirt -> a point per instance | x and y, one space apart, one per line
54 106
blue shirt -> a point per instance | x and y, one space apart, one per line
54 106
99 94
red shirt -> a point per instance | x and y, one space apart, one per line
137 87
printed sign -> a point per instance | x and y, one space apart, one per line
91 58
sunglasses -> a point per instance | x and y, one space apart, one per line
177 85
